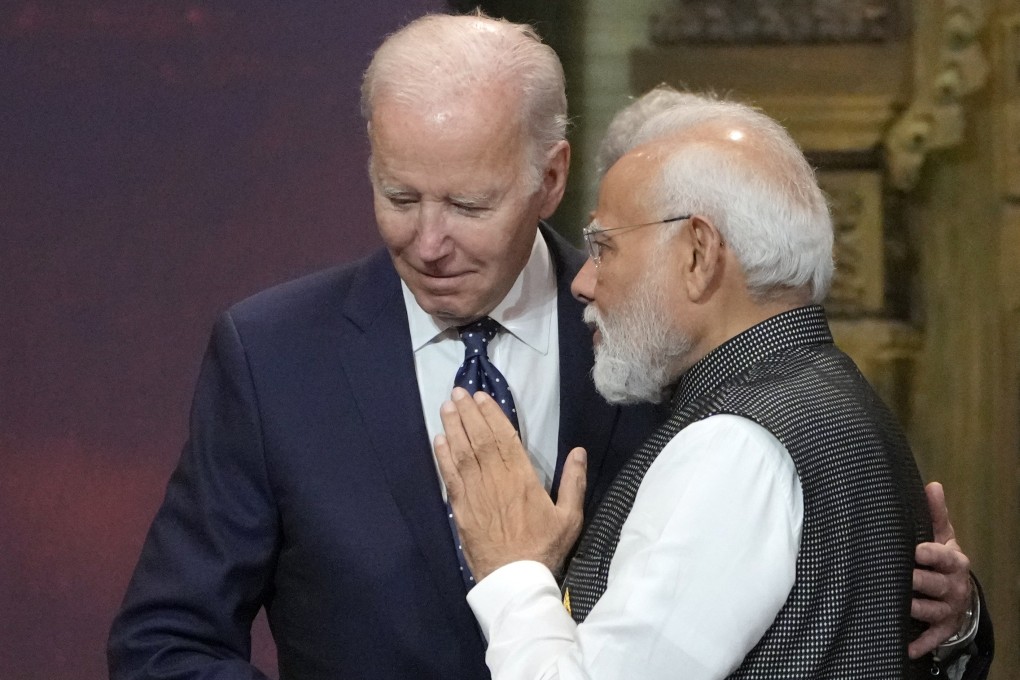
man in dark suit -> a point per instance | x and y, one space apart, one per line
308 484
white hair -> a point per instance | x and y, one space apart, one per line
761 193
620 135
440 56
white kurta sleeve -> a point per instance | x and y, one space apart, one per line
706 559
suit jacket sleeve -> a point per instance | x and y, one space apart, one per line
207 562
983 648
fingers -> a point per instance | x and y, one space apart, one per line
930 583
934 610
944 579
940 524
928 641
456 444
478 431
942 588
572 485
475 425
447 467
503 432
943 559
565 523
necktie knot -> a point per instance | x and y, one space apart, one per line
477 371
477 335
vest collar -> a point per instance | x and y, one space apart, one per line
801 327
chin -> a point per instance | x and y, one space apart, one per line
457 315
454 318
627 382
624 398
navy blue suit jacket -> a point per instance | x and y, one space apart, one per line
308 486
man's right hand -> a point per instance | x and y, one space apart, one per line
503 513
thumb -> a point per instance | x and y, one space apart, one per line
940 524
573 484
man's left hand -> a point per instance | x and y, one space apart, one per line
942 580
503 513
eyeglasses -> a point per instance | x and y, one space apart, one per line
592 233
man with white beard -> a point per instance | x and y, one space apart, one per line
634 356
969 650
767 529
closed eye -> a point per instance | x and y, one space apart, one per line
470 209
401 200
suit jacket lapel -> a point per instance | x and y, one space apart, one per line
585 417
379 361
377 357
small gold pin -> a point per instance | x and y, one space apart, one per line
566 600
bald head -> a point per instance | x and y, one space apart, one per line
442 61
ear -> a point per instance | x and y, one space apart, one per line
703 267
554 178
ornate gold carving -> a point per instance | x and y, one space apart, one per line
948 64
776 21
855 200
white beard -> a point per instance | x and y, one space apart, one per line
639 353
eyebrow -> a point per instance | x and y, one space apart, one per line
395 192
466 199
472 200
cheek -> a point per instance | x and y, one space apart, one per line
610 288
479 246
396 230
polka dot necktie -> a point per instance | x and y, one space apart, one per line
478 373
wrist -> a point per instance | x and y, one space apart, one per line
967 630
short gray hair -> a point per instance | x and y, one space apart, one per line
439 56
762 194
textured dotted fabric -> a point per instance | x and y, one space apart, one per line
478 373
847 615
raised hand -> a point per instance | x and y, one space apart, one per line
503 513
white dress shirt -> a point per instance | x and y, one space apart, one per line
706 559
526 353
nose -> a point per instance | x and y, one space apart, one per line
433 239
583 285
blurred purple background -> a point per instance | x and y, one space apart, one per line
158 161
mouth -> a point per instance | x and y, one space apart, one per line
444 281
591 320
596 333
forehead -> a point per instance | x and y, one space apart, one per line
472 140
626 190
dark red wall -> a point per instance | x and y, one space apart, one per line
158 161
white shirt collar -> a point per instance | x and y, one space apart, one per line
526 311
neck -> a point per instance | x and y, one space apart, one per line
726 317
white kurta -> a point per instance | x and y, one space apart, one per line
706 559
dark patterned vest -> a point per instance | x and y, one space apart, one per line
848 614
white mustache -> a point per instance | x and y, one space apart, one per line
592 317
